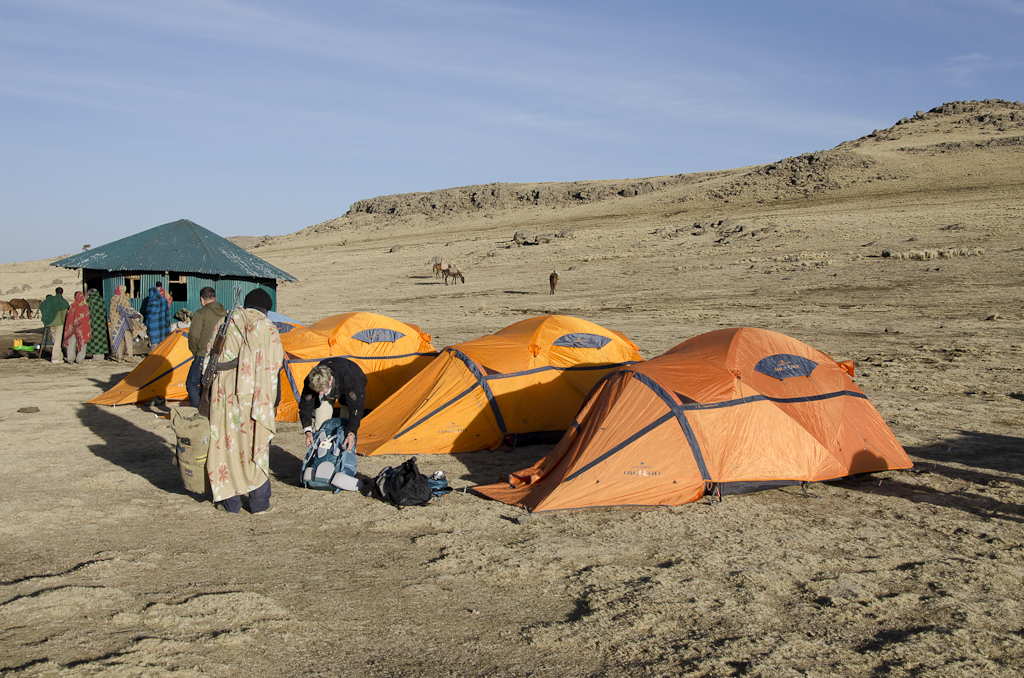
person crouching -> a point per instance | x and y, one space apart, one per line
333 379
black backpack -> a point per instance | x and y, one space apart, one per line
406 486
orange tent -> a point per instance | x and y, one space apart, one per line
530 377
737 409
161 373
388 351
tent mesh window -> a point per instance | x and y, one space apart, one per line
374 335
582 340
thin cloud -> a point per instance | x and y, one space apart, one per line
965 70
1007 6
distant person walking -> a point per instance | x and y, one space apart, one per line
158 317
553 281
77 329
204 322
54 310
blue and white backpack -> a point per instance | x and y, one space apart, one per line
326 467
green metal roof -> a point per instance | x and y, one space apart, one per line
181 246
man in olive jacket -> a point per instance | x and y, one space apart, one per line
204 324
54 309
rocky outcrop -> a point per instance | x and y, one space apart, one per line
504 196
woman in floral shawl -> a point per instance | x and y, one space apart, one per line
158 317
77 329
243 406
121 325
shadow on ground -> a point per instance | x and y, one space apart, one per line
993 466
137 451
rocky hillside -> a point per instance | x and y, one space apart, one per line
948 129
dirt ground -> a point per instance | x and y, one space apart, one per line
110 568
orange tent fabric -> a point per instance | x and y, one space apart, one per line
530 377
739 408
161 373
388 351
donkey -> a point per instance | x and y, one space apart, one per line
440 267
21 307
455 274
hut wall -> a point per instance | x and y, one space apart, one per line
141 281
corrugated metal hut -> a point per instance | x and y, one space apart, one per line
182 255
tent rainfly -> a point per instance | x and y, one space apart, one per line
730 411
528 379
162 373
388 351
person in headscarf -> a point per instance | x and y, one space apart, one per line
54 310
243 405
121 325
158 317
164 293
100 342
77 329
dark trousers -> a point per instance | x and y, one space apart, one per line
194 380
259 500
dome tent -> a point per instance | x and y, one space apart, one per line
162 374
529 378
737 409
388 351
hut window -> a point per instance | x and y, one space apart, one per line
177 285
133 285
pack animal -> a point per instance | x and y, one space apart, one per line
6 310
553 280
455 274
440 267
21 307
33 304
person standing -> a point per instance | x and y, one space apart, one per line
204 322
158 317
333 379
77 329
121 326
164 293
243 405
99 344
54 310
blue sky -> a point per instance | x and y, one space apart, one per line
260 117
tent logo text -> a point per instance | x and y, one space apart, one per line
641 470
